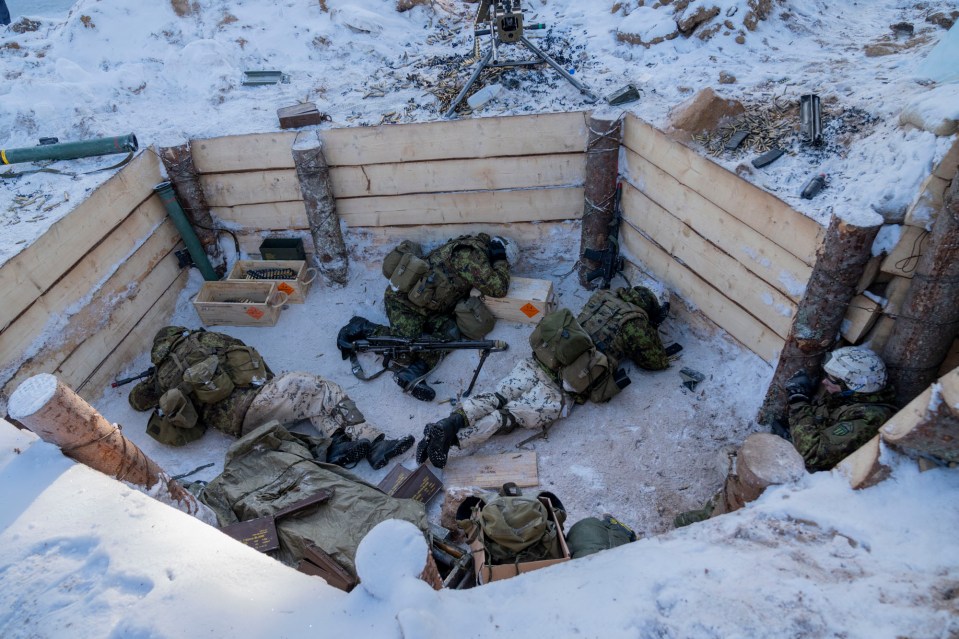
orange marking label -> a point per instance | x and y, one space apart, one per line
286 288
254 312
529 310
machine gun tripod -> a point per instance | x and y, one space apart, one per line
505 20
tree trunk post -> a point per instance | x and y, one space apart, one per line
178 161
929 320
602 173
764 460
329 250
840 262
58 415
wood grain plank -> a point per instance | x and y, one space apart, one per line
252 152
492 471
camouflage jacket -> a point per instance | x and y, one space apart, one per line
469 266
626 331
832 425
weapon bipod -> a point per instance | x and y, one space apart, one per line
541 56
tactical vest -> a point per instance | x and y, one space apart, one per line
603 317
431 282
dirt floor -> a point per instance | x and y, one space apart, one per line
653 451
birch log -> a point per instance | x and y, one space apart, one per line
602 162
929 321
329 253
178 161
58 415
840 262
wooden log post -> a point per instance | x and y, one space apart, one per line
840 262
178 161
929 321
764 460
928 426
58 415
329 254
602 173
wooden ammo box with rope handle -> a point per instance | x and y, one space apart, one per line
292 277
239 303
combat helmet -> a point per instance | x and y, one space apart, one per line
860 369
512 249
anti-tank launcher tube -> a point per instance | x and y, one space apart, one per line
70 150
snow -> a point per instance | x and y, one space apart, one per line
86 556
31 395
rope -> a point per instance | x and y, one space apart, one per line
116 427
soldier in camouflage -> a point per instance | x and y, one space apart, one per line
206 379
622 324
426 307
847 411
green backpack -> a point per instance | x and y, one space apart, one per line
558 340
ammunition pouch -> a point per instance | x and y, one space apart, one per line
394 257
408 272
175 422
473 318
210 384
245 366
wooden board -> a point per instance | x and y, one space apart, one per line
135 343
772 263
147 225
490 207
437 176
468 138
492 471
66 333
862 468
269 215
861 315
899 425
253 187
33 271
717 267
732 318
243 152
526 301
902 260
763 212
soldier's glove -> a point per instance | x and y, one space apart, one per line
799 387
357 328
496 251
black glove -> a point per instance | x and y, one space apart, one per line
799 386
496 251
357 328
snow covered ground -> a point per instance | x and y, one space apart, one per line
84 556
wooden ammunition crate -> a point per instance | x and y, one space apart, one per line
527 300
295 288
239 303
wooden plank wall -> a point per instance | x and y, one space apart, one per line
739 254
520 169
84 299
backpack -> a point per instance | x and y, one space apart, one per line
558 340
515 528
603 316
404 266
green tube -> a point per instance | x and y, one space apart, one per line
70 150
175 211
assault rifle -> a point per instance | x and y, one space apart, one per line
610 261
389 348
126 380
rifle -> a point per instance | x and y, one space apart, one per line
390 347
127 380
610 261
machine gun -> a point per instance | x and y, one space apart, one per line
389 348
610 261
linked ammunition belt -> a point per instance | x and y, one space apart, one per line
271 274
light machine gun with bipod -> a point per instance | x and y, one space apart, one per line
389 348
505 26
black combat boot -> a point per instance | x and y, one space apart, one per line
383 450
346 452
421 391
440 436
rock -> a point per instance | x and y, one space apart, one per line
726 78
688 23
705 111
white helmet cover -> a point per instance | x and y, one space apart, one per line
860 369
512 249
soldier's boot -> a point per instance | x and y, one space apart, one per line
409 376
346 452
693 516
383 450
441 435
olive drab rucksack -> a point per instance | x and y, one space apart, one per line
567 349
194 372
430 282
515 528
603 317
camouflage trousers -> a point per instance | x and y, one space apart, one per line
527 397
294 397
